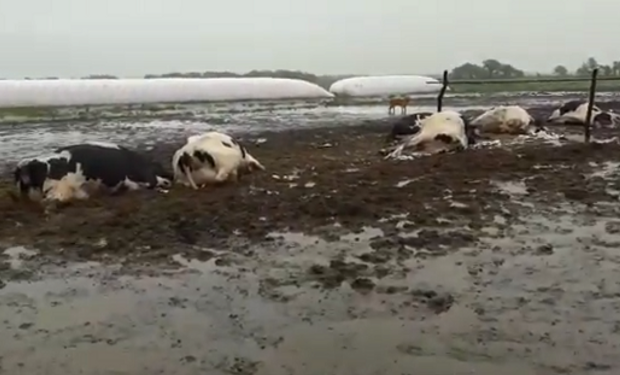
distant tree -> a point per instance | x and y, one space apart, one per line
468 71
587 67
592 63
220 75
560 70
615 68
172 75
605 70
493 67
100 76
583 70
508 71
489 69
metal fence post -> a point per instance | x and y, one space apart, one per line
588 123
444 87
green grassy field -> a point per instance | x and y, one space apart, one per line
28 112
584 86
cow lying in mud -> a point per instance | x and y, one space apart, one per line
574 113
407 125
440 132
211 158
510 120
506 120
78 171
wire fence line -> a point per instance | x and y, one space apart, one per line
594 78
530 80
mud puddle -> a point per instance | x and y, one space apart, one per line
541 296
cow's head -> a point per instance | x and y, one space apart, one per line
29 177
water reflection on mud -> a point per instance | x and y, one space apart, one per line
542 299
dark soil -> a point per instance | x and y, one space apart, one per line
315 178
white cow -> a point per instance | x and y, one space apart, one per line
442 131
75 172
211 158
506 120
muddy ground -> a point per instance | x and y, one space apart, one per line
326 177
331 261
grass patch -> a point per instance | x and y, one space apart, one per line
34 112
584 86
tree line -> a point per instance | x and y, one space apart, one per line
488 69
495 69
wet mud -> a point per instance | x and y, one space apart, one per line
331 261
149 127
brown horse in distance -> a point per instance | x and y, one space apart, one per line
398 102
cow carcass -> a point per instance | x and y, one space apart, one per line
511 119
78 171
574 113
212 158
440 132
407 125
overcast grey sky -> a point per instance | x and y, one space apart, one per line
133 37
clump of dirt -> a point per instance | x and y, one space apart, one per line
433 242
326 176
332 275
438 302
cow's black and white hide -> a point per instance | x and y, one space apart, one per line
212 158
506 120
441 132
78 171
574 113
406 126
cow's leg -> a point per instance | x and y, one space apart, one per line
255 164
81 194
233 176
190 179
222 175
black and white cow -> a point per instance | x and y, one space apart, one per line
511 119
77 171
574 113
211 158
407 125
440 132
